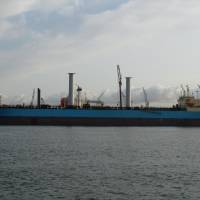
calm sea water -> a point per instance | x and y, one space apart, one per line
99 163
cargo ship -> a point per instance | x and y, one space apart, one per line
185 113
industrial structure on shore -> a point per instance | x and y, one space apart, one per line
74 111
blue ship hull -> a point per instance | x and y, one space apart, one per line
97 117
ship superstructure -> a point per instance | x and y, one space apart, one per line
188 101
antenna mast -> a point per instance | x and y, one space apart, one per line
120 84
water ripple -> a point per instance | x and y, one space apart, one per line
99 163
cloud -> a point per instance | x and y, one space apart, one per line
13 7
64 16
82 6
157 42
157 96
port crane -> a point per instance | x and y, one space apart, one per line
145 98
120 85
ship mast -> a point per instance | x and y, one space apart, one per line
120 85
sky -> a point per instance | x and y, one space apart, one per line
155 41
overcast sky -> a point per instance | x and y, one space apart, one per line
155 41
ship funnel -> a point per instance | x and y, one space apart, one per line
71 89
128 92
38 97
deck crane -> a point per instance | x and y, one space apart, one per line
42 100
32 99
145 98
120 84
188 90
98 100
197 91
183 89
101 95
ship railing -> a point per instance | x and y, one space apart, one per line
95 108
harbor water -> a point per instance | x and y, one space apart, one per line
78 163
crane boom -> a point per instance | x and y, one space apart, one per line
120 84
188 90
183 89
101 95
145 98
33 96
